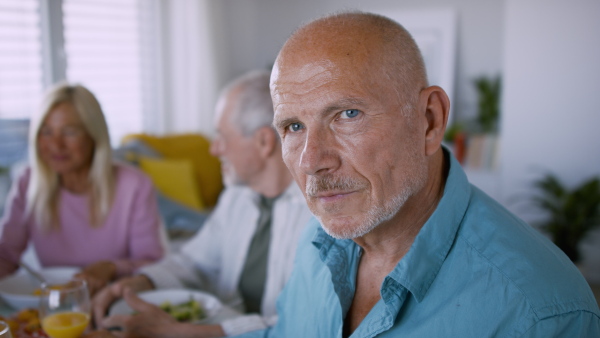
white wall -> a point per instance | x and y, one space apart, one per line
551 103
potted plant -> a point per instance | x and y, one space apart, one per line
481 132
488 104
572 213
455 138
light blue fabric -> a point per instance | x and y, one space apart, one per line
13 153
14 135
474 270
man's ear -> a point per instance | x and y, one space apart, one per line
437 107
266 140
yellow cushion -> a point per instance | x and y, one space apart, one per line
195 148
173 178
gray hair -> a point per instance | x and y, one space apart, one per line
253 107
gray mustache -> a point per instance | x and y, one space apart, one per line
319 184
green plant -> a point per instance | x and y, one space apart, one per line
488 91
572 212
452 131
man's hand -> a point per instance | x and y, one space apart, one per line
151 321
148 321
98 275
105 297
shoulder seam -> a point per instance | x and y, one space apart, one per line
512 282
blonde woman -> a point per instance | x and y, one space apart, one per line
74 204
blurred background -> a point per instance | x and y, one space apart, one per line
523 75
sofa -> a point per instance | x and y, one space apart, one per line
187 177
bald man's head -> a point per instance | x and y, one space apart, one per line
378 48
360 129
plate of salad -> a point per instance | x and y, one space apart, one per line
184 305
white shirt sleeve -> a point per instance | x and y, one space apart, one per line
247 323
196 264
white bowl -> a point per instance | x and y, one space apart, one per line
18 289
211 305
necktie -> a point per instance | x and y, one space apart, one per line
254 273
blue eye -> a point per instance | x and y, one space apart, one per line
295 127
349 113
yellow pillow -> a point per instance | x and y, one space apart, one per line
194 147
175 179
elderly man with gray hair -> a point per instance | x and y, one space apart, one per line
244 253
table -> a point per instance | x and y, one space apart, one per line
226 312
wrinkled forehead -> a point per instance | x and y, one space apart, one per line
301 77
327 49
316 77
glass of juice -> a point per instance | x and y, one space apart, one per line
65 308
5 330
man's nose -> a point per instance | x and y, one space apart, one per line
318 155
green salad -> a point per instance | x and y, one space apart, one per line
189 311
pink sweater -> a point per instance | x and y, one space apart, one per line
129 237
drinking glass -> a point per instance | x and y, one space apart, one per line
65 308
4 330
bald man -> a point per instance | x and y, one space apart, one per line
402 244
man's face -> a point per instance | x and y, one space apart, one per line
345 140
237 152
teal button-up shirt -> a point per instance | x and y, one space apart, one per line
474 270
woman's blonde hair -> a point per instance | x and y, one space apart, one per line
44 185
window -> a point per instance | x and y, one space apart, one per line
102 48
101 44
20 58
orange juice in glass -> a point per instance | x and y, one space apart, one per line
5 330
65 308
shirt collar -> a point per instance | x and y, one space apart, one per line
417 270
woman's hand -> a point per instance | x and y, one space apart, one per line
98 275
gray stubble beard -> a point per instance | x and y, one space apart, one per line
374 216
